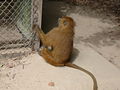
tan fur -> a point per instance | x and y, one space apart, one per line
60 39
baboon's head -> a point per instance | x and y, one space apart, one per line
66 22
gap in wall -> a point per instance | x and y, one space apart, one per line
52 10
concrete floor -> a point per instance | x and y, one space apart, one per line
92 49
33 73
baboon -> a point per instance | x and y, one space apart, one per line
58 45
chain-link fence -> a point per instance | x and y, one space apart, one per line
16 35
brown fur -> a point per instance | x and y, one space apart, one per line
61 41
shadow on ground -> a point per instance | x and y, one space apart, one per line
75 54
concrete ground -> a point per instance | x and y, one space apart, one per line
33 73
96 41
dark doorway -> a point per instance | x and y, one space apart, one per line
52 10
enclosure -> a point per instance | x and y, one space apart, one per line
96 44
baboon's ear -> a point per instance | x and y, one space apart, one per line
65 22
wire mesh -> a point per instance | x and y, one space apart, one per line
16 34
